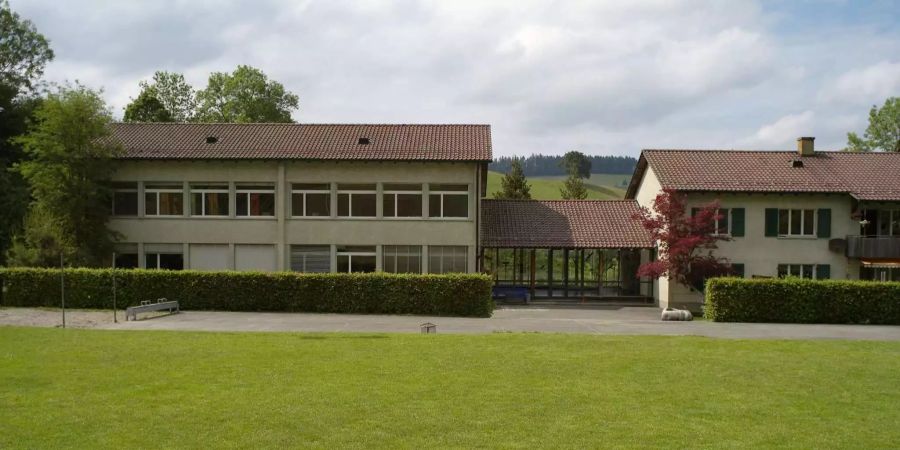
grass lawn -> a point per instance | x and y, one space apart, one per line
547 188
124 389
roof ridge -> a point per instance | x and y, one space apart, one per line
737 150
310 124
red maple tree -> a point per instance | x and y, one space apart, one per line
686 241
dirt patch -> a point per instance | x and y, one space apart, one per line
49 317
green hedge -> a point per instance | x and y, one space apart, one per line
795 300
375 293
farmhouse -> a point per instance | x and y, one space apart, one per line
409 199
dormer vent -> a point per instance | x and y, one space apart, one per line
211 139
796 163
364 141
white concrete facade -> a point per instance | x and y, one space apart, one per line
246 243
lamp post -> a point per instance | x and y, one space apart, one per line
62 288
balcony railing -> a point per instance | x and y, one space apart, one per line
873 247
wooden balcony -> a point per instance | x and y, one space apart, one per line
875 247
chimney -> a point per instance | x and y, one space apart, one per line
805 146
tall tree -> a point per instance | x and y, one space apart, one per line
245 96
573 188
68 170
147 108
686 242
514 185
883 132
23 51
576 164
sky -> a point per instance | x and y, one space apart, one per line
604 78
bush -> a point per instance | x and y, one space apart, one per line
795 300
374 293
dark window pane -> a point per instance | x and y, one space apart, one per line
170 204
448 187
434 205
388 208
794 270
809 221
783 221
361 263
151 260
125 203
807 271
723 222
297 205
311 187
216 204
262 204
795 221
456 206
401 187
317 205
343 205
241 204
356 187
197 204
150 204
343 263
126 260
363 205
409 205
171 261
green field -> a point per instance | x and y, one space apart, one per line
600 186
133 389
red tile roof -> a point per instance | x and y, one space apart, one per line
866 176
302 141
562 223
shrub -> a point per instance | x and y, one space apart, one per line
795 300
374 293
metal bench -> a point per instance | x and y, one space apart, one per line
510 292
161 304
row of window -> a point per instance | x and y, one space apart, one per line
811 271
307 200
350 258
779 222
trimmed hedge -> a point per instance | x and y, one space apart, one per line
371 293
794 300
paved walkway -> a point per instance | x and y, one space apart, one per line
619 320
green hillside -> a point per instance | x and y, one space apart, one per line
599 186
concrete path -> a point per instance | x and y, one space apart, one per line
618 320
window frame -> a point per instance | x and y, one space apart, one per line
813 268
156 191
350 254
321 249
350 193
790 222
205 190
442 193
395 193
257 188
119 189
304 193
726 219
385 254
431 249
158 256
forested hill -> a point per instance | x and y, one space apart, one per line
548 165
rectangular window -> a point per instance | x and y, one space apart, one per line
797 270
124 199
311 200
163 199
402 200
796 222
209 199
722 225
402 258
447 259
356 258
448 200
356 200
166 261
125 256
311 258
255 200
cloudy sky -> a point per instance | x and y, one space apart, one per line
600 77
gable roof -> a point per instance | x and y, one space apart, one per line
865 176
304 141
562 223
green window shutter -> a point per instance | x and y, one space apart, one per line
694 212
737 222
771 222
823 272
824 225
738 270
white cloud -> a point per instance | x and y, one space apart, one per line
867 85
781 133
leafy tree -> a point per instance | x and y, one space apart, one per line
550 165
576 164
573 188
147 108
685 241
514 185
883 132
23 51
244 96
68 170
